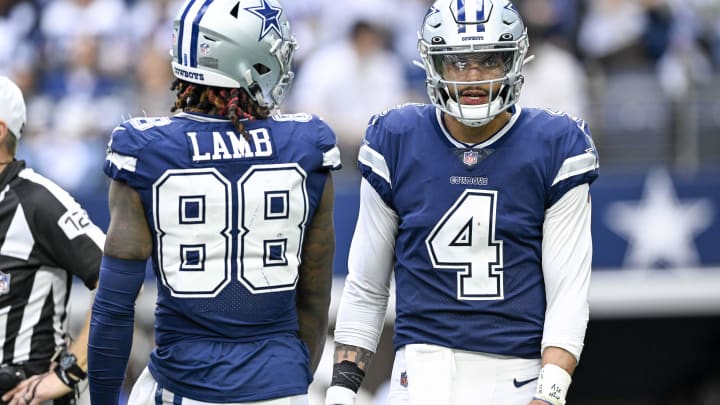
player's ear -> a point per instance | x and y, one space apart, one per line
4 132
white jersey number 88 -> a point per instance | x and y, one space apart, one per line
197 242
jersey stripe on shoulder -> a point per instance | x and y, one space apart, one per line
331 158
375 161
577 165
122 162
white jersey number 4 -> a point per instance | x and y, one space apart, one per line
464 240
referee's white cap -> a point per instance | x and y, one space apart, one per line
12 106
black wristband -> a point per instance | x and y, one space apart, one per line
68 370
65 378
347 374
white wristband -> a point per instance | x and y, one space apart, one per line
553 383
337 395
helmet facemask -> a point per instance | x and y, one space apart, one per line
284 50
497 51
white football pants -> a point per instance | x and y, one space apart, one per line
428 374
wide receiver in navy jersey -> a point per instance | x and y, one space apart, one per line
481 211
234 205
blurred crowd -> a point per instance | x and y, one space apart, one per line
641 72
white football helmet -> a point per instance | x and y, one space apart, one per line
458 32
235 44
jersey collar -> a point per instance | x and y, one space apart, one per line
516 111
11 171
200 117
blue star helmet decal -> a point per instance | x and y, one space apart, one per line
512 8
431 11
432 17
269 15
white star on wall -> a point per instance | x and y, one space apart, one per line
660 229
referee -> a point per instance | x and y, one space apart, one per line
46 237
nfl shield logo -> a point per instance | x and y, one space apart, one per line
4 283
204 49
470 158
403 379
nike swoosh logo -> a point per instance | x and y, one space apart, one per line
519 384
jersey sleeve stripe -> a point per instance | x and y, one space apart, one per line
576 165
375 161
122 162
331 158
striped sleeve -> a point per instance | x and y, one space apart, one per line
577 161
373 164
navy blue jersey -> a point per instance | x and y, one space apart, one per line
228 216
468 266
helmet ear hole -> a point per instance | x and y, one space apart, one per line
261 69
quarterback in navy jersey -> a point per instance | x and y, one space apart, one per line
480 209
234 206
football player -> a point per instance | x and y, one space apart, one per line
234 205
480 210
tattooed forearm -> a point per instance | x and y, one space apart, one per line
355 354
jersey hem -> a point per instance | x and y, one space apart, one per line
206 397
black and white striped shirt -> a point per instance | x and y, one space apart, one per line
46 237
